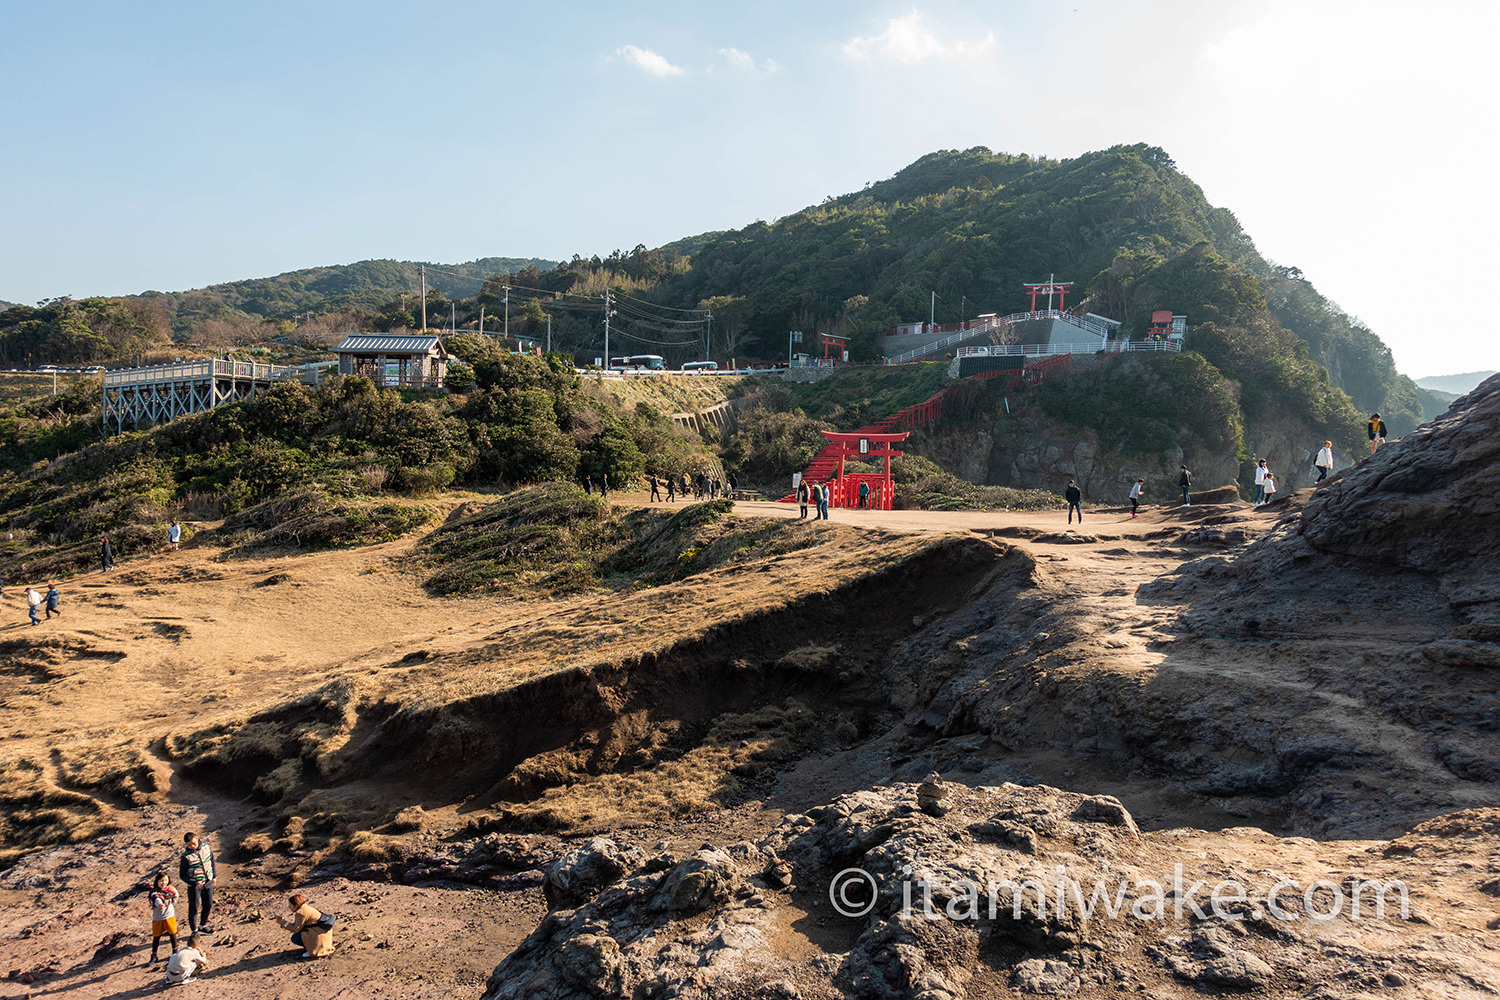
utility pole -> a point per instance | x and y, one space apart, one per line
708 348
481 321
452 317
963 309
607 312
549 333
932 313
507 310
422 270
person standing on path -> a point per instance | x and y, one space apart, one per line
603 485
1074 496
106 555
823 497
52 598
1135 496
864 495
1270 486
33 602
655 489
1185 481
1375 428
734 485
163 914
1324 462
174 533
588 485
196 870
802 497
1260 483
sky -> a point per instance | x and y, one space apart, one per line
170 146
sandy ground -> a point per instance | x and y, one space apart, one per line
164 644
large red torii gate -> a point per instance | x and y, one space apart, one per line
863 445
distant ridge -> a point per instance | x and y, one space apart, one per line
1458 385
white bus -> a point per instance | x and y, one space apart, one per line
700 366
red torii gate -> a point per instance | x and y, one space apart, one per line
844 490
1035 288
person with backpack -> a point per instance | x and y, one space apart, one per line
1074 496
1375 428
1185 481
311 928
1325 461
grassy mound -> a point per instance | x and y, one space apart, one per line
309 518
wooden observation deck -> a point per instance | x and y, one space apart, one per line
141 397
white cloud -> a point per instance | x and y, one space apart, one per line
648 62
742 60
909 40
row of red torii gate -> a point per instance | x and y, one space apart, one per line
844 488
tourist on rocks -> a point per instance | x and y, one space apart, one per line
1260 483
1074 496
174 533
163 900
183 964
52 598
1325 461
310 928
1135 496
33 602
1270 486
106 555
196 870
802 498
1185 481
1375 428
655 490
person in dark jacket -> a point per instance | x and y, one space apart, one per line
1375 428
1185 480
1074 496
106 555
196 870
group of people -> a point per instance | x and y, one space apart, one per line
701 486
35 599
312 930
816 494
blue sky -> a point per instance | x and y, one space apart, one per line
174 145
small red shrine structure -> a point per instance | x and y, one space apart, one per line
844 489
1051 285
838 345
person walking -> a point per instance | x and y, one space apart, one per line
671 489
106 555
1260 483
603 485
1375 428
1185 481
52 598
163 899
33 602
655 490
823 495
734 485
864 495
1324 462
1074 496
803 489
174 533
588 485
196 870
1135 496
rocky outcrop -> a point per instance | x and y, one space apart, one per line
911 906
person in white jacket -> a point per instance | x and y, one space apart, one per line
1325 461
1135 496
1270 487
1260 482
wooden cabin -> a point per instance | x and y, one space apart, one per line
415 361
